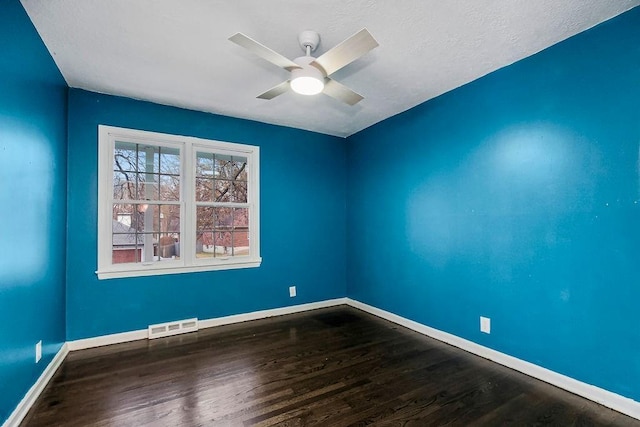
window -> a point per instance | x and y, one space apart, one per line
172 204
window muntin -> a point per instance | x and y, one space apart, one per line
170 204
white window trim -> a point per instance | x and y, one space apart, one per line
107 136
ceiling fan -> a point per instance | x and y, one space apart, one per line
309 75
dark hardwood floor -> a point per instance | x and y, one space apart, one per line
329 367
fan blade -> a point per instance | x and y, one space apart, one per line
346 52
341 92
263 51
275 91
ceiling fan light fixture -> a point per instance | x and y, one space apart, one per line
307 80
306 85
310 75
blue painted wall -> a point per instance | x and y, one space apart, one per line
33 200
515 197
303 219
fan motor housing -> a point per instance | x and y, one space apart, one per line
305 63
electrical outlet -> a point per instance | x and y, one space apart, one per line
485 325
292 291
38 351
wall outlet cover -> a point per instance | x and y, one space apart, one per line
485 325
38 351
292 291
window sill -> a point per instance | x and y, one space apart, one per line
156 271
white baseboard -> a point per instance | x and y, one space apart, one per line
262 314
102 340
206 323
29 399
607 398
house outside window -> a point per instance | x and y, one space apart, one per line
173 204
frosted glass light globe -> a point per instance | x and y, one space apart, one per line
307 80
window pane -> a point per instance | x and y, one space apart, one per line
230 167
204 245
204 218
239 168
124 185
169 217
124 255
204 190
222 232
147 186
169 188
221 178
240 232
169 161
223 191
169 246
224 243
222 167
204 165
240 218
147 158
223 218
242 176
239 194
240 243
130 215
204 232
125 157
141 160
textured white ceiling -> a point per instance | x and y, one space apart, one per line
177 53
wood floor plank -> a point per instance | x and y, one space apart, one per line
330 367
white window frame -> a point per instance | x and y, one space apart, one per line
188 146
